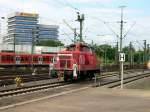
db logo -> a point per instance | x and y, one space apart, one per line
82 59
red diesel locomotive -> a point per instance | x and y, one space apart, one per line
77 61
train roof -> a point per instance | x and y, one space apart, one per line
12 53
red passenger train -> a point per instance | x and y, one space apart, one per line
21 59
77 61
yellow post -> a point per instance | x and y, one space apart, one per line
18 81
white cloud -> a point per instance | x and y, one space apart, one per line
88 1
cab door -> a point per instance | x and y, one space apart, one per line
0 58
18 59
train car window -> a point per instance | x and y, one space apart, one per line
44 59
35 59
26 58
11 58
48 58
3 58
22 58
7 58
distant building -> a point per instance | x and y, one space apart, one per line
48 32
20 28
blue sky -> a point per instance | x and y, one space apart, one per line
55 11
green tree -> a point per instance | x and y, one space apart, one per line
138 57
105 52
52 43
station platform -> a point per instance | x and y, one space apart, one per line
88 99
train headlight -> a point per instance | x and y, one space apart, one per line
57 59
148 64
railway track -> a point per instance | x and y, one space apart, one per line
111 74
7 76
36 88
31 89
116 83
9 79
26 78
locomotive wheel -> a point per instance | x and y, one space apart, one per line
65 76
82 75
90 76
68 75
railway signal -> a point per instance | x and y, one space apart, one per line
80 19
122 57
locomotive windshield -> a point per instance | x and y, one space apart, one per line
71 48
80 47
85 48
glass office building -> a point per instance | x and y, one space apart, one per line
21 28
48 32
24 27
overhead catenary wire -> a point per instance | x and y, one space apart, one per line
107 26
129 29
67 4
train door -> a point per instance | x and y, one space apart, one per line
82 59
0 58
18 59
40 60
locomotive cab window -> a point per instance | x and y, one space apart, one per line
18 58
46 58
40 59
71 48
85 49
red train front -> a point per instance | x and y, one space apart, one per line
77 61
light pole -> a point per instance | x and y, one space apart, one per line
148 52
121 38
145 52
2 18
32 47
34 34
14 43
80 19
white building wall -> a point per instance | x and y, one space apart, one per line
27 48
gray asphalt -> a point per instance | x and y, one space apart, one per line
91 100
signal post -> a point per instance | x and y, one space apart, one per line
121 54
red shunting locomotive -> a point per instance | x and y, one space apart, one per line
78 61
